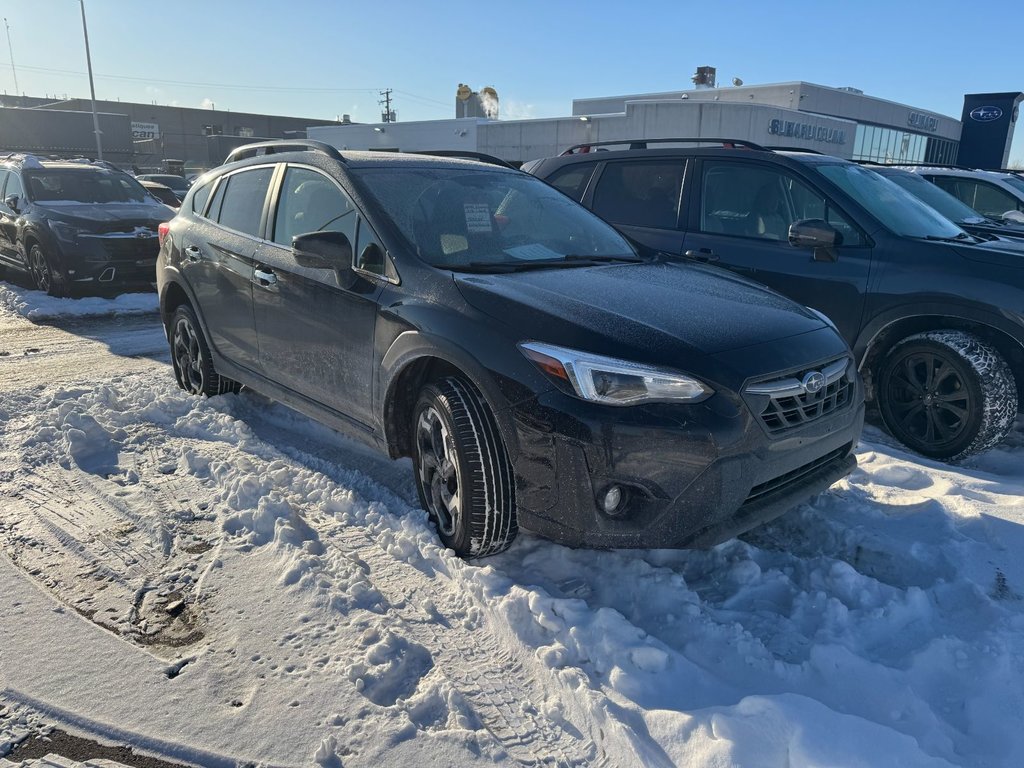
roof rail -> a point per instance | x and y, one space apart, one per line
804 150
283 145
29 160
642 143
462 154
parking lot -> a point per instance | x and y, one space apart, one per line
228 569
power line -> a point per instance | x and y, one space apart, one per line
10 49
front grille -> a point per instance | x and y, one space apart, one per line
790 478
130 249
785 402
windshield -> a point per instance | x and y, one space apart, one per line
168 180
455 218
83 185
1016 182
939 199
892 205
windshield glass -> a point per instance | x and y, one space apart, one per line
1016 182
455 218
892 205
84 185
938 198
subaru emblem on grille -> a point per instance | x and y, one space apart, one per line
813 382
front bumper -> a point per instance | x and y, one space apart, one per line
114 259
693 475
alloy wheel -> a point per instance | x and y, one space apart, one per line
40 269
438 468
188 356
929 398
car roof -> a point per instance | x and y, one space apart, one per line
808 157
363 159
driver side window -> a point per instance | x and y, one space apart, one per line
761 202
311 202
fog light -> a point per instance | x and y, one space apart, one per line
612 500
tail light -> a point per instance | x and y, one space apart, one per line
163 231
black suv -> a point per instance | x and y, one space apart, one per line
72 224
933 314
538 369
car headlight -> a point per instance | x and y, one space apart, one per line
614 382
65 232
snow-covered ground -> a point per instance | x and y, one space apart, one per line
36 305
223 581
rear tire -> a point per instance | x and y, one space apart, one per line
191 358
947 394
43 269
463 473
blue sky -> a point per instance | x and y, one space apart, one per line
323 59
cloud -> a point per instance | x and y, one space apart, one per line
517 110
206 103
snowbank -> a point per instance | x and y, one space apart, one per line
36 305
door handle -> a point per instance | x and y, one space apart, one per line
264 278
702 254
192 253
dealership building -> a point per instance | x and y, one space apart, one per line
839 121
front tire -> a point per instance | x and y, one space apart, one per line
191 358
947 394
45 276
463 473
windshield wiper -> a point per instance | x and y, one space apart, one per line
963 237
523 265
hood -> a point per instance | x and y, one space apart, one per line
1003 252
653 311
107 217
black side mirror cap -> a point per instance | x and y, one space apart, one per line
326 250
817 234
323 250
12 202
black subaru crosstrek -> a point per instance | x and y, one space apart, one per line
538 369
932 313
75 224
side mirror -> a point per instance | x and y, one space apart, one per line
817 234
12 202
1014 216
323 250
326 250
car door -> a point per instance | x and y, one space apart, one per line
641 199
739 215
218 258
315 330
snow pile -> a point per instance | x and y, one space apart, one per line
277 596
36 305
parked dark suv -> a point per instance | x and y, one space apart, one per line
73 224
933 314
538 369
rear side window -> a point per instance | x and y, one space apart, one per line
311 202
200 197
242 206
572 179
641 194
988 199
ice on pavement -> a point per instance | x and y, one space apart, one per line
221 581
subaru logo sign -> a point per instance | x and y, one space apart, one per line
986 114
813 382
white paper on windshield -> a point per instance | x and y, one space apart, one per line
478 217
533 252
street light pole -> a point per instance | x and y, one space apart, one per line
92 88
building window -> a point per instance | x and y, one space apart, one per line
890 145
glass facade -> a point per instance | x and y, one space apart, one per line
889 145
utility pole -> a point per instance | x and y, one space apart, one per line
388 115
17 91
92 88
